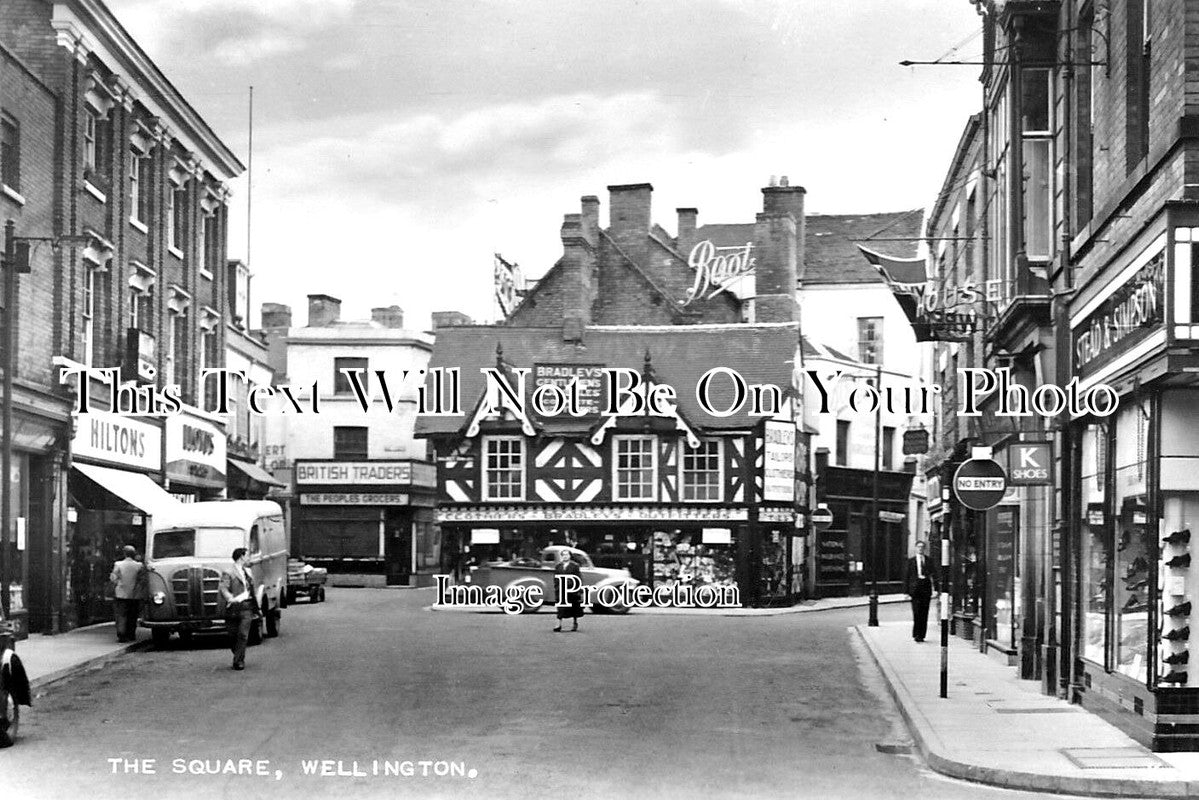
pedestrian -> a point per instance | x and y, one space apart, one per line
125 579
569 603
919 582
237 587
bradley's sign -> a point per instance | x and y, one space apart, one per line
1127 316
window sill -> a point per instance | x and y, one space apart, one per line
137 224
94 192
175 251
13 194
205 274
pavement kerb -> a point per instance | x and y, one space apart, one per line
43 681
934 753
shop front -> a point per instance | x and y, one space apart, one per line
34 559
848 551
659 545
371 517
1136 486
114 491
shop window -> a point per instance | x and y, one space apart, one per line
504 468
870 340
681 559
10 152
342 366
1096 548
1135 557
843 443
702 473
634 468
350 443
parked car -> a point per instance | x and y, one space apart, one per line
305 579
14 685
523 571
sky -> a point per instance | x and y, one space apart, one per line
399 144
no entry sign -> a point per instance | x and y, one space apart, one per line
980 484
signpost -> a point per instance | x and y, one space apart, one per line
980 483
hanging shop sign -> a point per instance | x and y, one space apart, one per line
195 451
583 384
719 269
915 442
778 461
980 483
116 439
1130 314
776 515
1029 464
365 473
590 513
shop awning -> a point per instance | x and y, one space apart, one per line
133 487
254 473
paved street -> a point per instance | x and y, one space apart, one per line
642 705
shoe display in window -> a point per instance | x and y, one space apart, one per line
1178 537
1175 677
1135 605
1180 610
1180 657
1138 566
1180 562
1178 634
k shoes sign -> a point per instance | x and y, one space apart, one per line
1030 464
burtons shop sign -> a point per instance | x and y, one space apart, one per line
1127 316
195 451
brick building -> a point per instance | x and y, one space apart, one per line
678 496
121 188
1073 196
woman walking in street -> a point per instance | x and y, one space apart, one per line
569 603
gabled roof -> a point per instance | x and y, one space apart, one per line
679 354
830 242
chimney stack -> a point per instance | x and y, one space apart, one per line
323 310
275 316
590 219
686 237
786 199
445 319
775 240
578 274
629 218
388 317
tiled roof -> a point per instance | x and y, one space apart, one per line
680 354
830 243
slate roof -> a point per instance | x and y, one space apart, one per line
680 354
830 243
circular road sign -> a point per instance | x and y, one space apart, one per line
822 517
980 483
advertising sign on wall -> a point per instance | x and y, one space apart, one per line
115 439
588 381
365 473
778 461
1128 315
195 451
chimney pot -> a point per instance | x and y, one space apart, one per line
389 316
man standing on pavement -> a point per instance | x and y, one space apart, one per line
237 587
124 578
919 582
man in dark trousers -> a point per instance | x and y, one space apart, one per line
237 587
920 582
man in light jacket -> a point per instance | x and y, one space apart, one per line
124 576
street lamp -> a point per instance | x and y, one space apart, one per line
15 261
872 622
